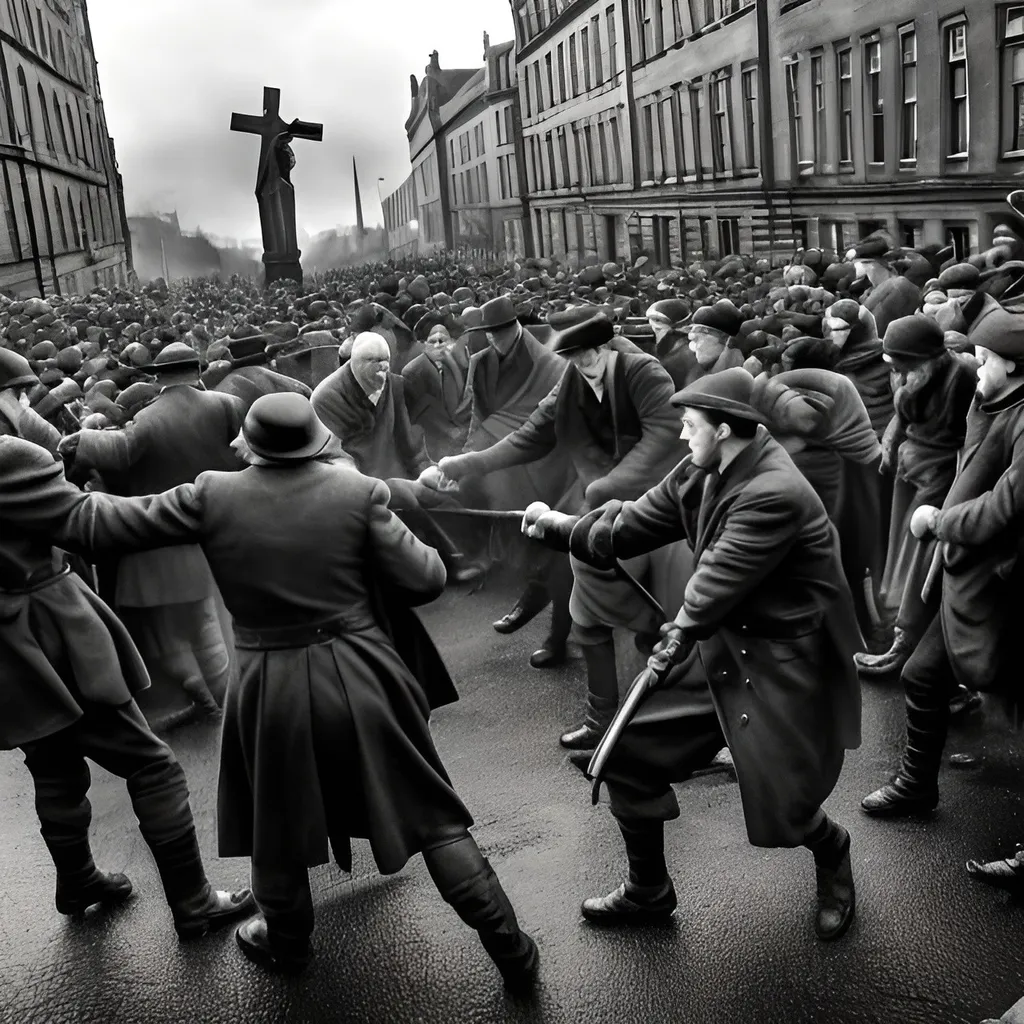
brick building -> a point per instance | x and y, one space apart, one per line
682 127
64 226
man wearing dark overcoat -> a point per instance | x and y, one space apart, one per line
971 639
167 598
611 414
435 384
68 675
776 631
326 734
363 404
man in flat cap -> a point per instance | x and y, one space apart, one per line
921 446
611 415
885 293
668 318
711 333
971 640
774 620
168 599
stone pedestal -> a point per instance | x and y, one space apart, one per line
281 266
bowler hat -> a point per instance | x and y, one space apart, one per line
591 333
728 391
15 371
913 337
472 318
995 327
176 358
497 313
284 428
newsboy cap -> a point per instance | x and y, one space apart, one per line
913 337
728 391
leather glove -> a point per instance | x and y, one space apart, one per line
591 538
672 649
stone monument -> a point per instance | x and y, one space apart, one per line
275 193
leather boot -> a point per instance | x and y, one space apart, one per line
963 701
602 697
552 652
914 789
258 946
533 601
648 895
1007 874
892 660
80 884
196 907
837 897
467 882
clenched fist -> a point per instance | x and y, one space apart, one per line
923 521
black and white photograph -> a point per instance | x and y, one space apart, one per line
511 512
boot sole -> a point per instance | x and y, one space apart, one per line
202 927
267 960
77 908
637 917
900 811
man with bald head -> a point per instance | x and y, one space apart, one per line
363 404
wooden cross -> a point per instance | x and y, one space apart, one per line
270 125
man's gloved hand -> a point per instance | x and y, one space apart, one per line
67 447
673 647
923 521
591 538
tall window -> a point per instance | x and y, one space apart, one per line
563 156
574 71
611 36
59 213
613 129
74 137
602 142
720 141
908 114
42 33
820 115
728 235
26 104
696 123
795 114
74 222
959 237
959 117
750 117
58 117
677 20
47 129
585 53
648 134
588 138
561 73
1012 58
28 22
537 87
873 101
845 68
525 91
550 76
549 143
595 39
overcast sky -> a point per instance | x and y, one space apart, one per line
171 75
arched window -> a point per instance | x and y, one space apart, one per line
74 221
47 128
42 33
26 106
59 212
62 61
12 11
58 117
28 22
71 131
85 229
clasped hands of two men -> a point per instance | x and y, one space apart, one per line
589 538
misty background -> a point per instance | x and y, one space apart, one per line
171 75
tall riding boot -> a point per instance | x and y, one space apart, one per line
80 884
467 882
915 787
602 697
531 603
196 907
648 894
837 897
552 651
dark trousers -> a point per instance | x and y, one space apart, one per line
914 615
650 756
119 740
928 680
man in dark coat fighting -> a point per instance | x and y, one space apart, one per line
68 675
326 735
776 628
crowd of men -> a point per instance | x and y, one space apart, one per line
853 422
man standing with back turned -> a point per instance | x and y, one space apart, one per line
775 623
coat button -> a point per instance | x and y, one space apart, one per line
744 719
748 684
743 652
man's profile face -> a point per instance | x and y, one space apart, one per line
993 372
702 437
706 344
661 326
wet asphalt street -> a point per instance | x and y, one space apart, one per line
928 947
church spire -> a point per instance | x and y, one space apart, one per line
360 230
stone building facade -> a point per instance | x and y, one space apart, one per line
466 150
679 128
61 198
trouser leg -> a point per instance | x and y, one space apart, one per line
598 647
283 895
559 581
467 882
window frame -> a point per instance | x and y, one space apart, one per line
874 100
846 136
954 101
1012 91
905 32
